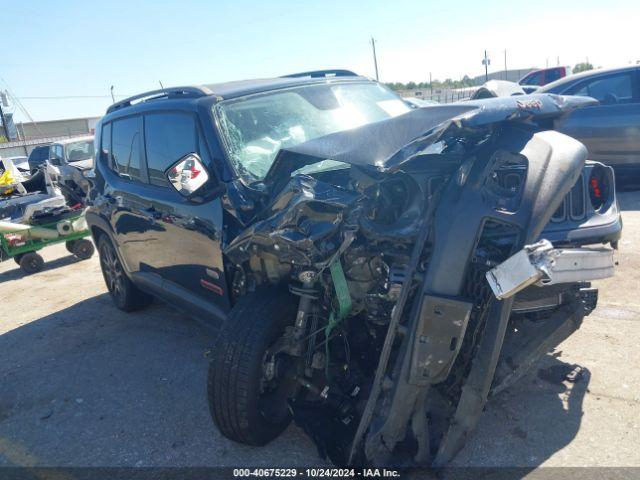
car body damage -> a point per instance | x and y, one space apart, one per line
398 337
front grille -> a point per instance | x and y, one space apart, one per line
574 205
577 200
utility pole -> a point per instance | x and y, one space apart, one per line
558 61
431 84
4 119
505 64
375 59
486 63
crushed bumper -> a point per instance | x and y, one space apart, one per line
542 264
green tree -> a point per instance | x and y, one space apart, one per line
582 67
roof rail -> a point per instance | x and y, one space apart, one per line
322 74
171 92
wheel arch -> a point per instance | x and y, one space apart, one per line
99 227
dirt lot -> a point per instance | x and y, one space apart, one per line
83 384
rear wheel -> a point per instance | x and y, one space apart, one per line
123 292
248 385
31 263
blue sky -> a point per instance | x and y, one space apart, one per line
81 48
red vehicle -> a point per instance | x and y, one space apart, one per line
544 76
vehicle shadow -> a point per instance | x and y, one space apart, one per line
17 272
90 385
526 424
130 390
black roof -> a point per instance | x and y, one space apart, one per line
240 88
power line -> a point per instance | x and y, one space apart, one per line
20 105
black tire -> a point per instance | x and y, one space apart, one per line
124 293
17 258
69 245
31 262
237 405
82 249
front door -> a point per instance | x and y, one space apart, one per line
183 243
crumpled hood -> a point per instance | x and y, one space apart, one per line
384 145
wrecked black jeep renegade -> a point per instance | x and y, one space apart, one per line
376 271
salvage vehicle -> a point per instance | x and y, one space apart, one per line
609 129
38 156
375 270
73 159
36 213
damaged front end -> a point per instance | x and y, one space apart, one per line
398 332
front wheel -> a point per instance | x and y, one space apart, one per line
248 386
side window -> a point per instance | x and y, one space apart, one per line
105 143
168 137
125 147
56 154
608 90
533 79
553 75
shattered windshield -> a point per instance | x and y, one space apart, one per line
255 128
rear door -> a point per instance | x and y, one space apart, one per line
610 130
126 194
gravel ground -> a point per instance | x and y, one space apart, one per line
83 384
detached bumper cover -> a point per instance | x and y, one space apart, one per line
541 263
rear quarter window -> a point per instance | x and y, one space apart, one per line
105 143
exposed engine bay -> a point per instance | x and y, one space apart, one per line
398 337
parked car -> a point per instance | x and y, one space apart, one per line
72 157
362 259
544 76
610 129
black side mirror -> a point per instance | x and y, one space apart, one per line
187 175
